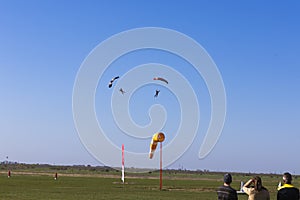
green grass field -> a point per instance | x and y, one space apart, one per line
38 186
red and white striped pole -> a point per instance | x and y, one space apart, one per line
123 167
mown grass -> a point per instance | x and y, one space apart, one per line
143 187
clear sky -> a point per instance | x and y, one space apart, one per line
254 44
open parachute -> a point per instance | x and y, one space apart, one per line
112 81
161 79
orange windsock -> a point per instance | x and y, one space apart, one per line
157 137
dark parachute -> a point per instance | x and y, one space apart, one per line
112 80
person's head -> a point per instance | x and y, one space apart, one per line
227 179
287 178
257 183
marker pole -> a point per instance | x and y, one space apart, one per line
160 171
123 167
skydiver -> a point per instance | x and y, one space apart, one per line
122 91
111 81
156 93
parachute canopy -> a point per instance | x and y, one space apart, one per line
161 79
111 81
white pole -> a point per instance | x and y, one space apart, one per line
123 168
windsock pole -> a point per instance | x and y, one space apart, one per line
157 138
160 171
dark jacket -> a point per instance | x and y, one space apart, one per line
288 192
226 193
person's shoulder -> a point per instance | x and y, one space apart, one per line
265 189
232 188
288 187
296 190
290 190
227 188
221 187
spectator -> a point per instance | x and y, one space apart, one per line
287 191
255 189
226 192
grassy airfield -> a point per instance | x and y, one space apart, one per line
93 183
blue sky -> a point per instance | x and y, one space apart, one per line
255 45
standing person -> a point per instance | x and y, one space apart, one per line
255 189
287 191
226 192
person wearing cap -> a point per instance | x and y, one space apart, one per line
226 192
255 189
287 191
